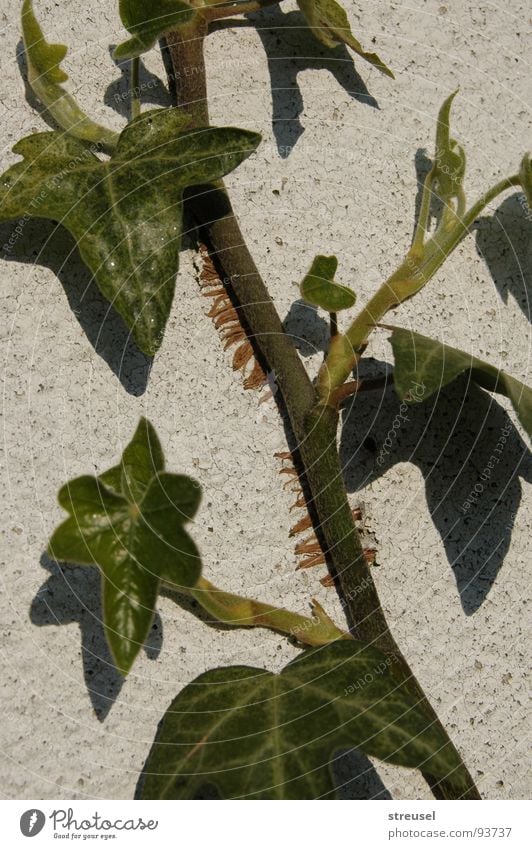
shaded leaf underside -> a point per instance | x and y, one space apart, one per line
419 359
252 734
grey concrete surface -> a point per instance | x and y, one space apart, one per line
336 174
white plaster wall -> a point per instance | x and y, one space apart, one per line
335 174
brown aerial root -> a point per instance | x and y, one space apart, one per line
327 580
309 551
226 320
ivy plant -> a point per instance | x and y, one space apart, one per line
123 197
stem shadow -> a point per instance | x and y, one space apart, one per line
72 594
118 93
48 244
423 164
450 438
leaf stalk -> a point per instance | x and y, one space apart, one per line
421 263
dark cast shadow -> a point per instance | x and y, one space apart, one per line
291 48
450 438
45 243
504 241
356 778
30 98
72 594
308 329
422 165
152 90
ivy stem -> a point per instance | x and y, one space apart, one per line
314 426
239 612
421 263
424 212
135 87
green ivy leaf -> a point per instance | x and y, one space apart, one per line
125 214
256 735
432 365
147 22
45 77
318 286
129 522
330 24
449 158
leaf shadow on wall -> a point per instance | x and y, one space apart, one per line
118 93
504 241
450 438
48 244
309 331
73 594
290 48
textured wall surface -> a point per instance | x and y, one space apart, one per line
336 174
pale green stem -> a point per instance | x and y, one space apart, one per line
135 87
318 630
419 266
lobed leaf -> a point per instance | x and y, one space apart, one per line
432 364
147 22
130 523
319 288
45 77
256 735
125 214
330 24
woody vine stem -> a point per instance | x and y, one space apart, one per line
313 418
